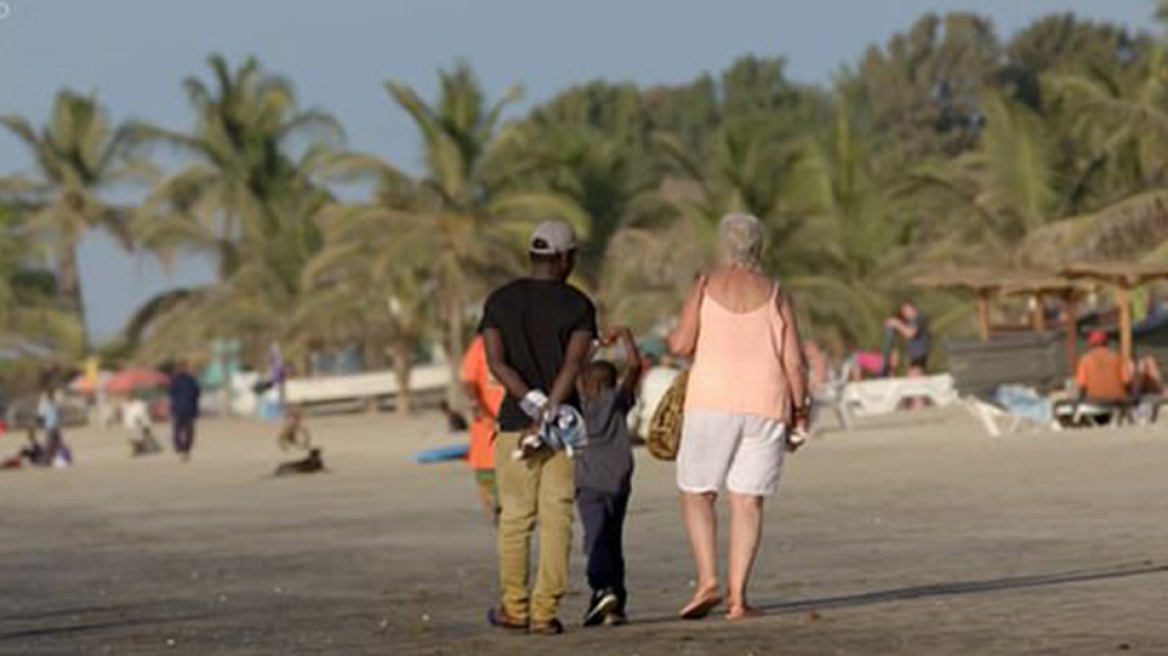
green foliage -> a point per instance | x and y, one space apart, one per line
78 156
246 198
942 146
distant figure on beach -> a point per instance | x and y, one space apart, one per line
293 433
184 409
912 327
32 453
604 474
872 364
485 396
56 452
1101 375
136 418
538 333
1148 380
747 401
278 372
1147 387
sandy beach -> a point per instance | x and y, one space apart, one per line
912 534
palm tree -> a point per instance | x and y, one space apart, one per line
467 210
1127 124
245 198
78 156
992 196
364 288
799 193
28 313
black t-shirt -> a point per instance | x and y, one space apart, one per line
536 318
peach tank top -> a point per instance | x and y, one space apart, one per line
738 363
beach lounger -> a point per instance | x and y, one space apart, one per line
1087 413
831 396
885 395
995 420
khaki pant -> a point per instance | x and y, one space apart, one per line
539 489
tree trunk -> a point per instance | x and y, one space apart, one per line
402 365
69 284
454 351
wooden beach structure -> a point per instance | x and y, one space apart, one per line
982 284
1032 354
1124 278
985 285
1040 287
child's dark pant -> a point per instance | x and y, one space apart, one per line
603 517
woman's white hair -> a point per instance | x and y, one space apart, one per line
740 238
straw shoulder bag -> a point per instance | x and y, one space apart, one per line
664 436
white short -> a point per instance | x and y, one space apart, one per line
742 452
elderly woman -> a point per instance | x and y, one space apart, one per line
746 404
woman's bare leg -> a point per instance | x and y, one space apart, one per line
702 526
745 534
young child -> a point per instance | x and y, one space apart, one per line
604 471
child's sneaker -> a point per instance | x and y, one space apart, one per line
603 603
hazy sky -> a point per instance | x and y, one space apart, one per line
338 52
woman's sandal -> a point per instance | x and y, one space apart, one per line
700 608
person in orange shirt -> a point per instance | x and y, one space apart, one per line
1102 375
485 395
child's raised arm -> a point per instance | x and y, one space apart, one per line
634 367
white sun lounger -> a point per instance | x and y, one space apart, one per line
885 395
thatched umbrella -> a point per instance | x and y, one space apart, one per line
983 284
1124 277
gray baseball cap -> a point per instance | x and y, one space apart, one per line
552 238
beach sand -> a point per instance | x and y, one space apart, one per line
912 534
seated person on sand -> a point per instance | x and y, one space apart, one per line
293 433
1102 376
32 453
1147 385
136 418
870 364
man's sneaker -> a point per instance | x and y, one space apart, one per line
548 628
603 603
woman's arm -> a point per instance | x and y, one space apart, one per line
684 338
794 362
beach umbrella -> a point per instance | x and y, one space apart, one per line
87 383
133 379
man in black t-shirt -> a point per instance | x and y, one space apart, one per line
537 331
